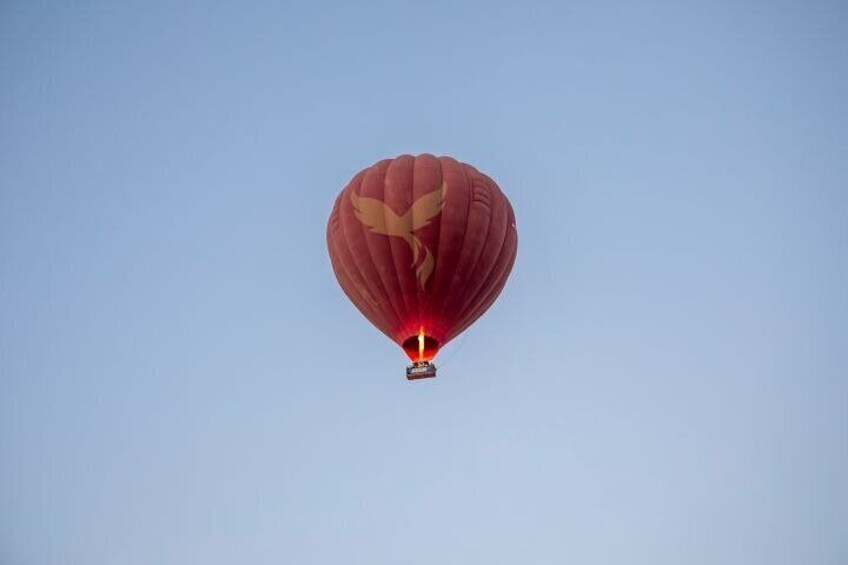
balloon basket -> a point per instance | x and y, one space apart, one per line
420 370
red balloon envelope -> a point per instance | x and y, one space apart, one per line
422 246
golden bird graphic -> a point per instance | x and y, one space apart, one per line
376 215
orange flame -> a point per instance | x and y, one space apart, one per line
421 344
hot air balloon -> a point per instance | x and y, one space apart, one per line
422 246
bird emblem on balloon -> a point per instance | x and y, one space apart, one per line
381 219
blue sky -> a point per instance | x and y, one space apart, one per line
662 381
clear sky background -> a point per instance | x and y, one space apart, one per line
664 379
